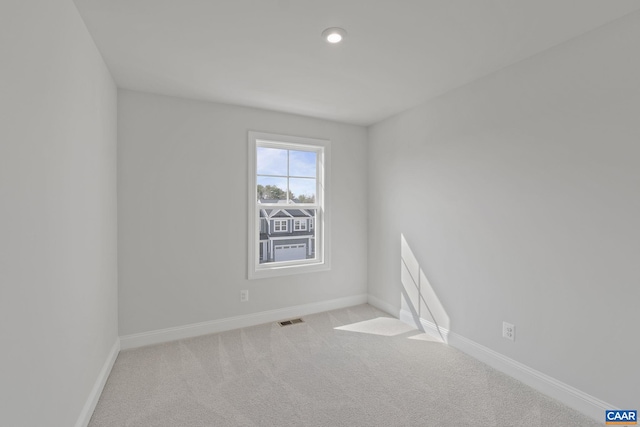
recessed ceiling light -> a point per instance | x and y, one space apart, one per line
334 35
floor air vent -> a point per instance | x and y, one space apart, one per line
290 322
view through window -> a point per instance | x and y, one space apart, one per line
288 179
288 203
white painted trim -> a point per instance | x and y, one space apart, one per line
383 305
566 394
96 391
229 323
302 222
408 318
282 223
292 237
322 148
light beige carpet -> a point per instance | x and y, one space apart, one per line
351 367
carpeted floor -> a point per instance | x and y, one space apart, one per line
351 367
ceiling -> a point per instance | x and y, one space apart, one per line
269 54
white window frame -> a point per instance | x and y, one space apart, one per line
302 223
282 223
322 222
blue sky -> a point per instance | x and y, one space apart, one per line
273 161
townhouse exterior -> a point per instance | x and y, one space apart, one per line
286 234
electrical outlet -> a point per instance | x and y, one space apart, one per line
508 331
244 295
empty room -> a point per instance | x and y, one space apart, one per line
319 213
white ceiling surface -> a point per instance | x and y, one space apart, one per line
269 54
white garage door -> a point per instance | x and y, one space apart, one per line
290 252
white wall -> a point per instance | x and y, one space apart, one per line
58 228
182 170
518 197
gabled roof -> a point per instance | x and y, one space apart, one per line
286 213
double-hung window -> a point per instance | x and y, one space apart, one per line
280 225
288 205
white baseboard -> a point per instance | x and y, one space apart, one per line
229 323
96 391
566 394
383 305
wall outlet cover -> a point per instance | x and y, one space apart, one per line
508 331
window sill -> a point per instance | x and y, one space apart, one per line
287 270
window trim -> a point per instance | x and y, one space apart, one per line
322 220
282 223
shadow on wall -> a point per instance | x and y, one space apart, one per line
417 295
